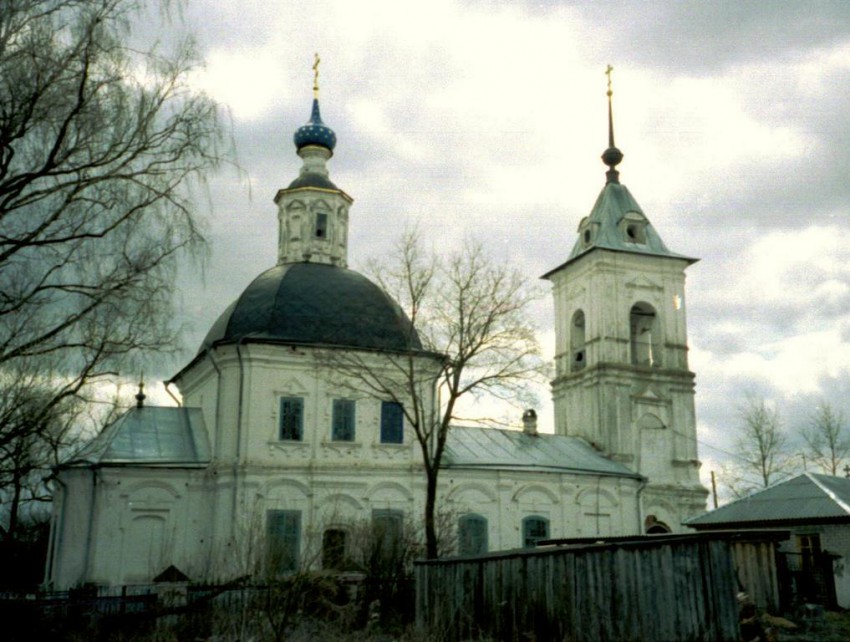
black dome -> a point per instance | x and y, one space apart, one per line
315 304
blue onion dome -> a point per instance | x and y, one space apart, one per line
315 132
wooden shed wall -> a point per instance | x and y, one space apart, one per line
651 592
755 567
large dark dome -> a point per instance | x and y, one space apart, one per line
315 304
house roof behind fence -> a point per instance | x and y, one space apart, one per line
808 497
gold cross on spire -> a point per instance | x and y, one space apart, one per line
316 76
608 73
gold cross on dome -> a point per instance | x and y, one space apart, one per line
316 76
608 73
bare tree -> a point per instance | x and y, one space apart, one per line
827 441
471 314
763 456
101 146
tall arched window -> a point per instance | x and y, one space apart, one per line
534 529
472 535
578 353
645 335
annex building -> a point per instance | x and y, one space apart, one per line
269 453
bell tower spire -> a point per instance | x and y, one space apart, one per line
622 380
611 156
312 211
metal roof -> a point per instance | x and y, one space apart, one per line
492 448
149 435
808 497
315 304
613 204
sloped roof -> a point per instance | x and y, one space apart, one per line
149 435
806 498
612 205
490 448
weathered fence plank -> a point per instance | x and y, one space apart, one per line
642 589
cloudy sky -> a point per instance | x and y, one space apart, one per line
488 118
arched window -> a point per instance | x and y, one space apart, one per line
472 535
645 335
578 354
534 529
655 526
321 229
333 548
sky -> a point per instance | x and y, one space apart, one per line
487 118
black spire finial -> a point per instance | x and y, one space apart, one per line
611 156
140 396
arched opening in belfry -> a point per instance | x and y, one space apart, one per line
645 335
578 353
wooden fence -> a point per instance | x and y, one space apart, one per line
641 589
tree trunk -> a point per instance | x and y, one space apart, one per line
431 551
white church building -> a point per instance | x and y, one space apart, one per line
267 453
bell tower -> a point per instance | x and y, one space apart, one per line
312 211
622 380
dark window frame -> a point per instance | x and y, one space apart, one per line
321 229
472 535
534 529
291 419
283 540
344 414
334 548
392 422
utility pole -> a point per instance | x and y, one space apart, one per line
714 488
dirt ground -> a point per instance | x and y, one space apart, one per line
830 627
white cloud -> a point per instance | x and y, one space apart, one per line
489 118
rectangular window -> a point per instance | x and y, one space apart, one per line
809 547
291 418
472 535
392 423
342 428
333 548
283 540
321 225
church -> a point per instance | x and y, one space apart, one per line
270 461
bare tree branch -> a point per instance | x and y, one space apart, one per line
827 441
102 147
471 314
763 453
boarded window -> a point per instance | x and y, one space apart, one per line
283 540
291 418
342 428
472 535
534 529
392 423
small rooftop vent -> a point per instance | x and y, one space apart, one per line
529 422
